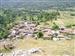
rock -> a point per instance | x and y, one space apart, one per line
21 53
25 52
55 33
9 45
34 50
1 54
13 32
35 36
55 39
17 36
29 35
67 38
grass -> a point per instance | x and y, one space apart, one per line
64 19
51 48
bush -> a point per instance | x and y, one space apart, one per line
73 24
39 34
69 26
3 33
72 14
55 26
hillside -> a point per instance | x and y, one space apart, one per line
37 28
21 40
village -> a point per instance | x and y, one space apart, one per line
30 30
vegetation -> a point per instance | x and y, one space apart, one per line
73 14
53 18
55 26
51 13
39 34
6 18
9 17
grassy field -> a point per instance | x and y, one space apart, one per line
51 48
64 19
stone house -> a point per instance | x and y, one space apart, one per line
47 32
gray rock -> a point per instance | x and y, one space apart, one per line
25 52
9 45
34 50
1 54
67 38
55 39
20 53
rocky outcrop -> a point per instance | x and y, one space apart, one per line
7 45
23 52
1 54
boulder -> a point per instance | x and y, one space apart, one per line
1 54
29 35
26 52
34 50
55 39
67 38
35 36
20 53
8 45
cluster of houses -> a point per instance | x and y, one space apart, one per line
61 34
23 29
28 29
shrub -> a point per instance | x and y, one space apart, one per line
39 34
69 26
3 33
55 26
72 14
73 24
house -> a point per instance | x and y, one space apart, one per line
66 31
47 32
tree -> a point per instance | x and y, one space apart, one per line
39 34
